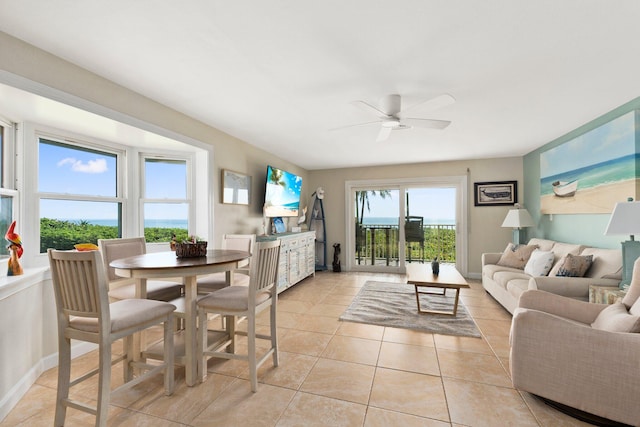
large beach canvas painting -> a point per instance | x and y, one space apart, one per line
592 172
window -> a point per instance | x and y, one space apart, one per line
165 202
8 195
79 194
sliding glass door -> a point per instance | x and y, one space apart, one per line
395 222
376 226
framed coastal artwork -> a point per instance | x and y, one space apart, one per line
235 187
495 193
592 172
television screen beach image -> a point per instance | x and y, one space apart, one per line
592 172
282 194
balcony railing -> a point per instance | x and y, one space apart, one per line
377 244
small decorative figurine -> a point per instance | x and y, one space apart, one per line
15 247
303 217
435 266
336 258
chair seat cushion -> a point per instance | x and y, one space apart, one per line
231 298
156 290
216 281
126 314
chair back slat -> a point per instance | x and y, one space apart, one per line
264 268
113 249
240 242
79 287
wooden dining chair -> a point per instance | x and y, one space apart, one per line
124 288
84 313
215 281
246 301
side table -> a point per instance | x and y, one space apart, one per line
605 294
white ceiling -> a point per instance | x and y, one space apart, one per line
281 74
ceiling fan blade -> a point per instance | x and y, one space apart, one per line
353 126
431 104
370 109
384 134
426 123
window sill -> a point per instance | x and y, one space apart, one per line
10 285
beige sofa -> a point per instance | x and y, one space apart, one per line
506 284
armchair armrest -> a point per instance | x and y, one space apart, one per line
558 305
575 287
490 258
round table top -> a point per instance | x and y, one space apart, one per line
168 259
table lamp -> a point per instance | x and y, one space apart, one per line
517 219
625 219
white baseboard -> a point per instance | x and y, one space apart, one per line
17 392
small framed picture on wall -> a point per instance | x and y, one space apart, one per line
495 193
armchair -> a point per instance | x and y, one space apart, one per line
582 355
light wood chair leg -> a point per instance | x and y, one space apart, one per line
128 348
251 337
202 346
64 378
169 378
104 384
274 334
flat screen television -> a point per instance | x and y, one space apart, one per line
282 195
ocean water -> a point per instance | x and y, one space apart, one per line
157 223
394 221
609 172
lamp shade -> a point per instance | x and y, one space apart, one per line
625 219
518 218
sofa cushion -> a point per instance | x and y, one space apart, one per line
542 244
517 286
516 256
561 249
539 263
502 278
572 266
607 263
490 270
616 318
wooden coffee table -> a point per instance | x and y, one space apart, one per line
420 276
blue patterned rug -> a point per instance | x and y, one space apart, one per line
394 305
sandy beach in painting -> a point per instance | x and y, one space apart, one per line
275 211
599 199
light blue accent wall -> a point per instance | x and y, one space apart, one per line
586 229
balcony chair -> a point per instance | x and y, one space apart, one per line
581 355
216 281
247 301
124 288
84 313
414 233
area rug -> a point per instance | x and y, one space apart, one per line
394 305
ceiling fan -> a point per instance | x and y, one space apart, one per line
391 116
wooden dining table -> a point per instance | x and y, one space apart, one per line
164 265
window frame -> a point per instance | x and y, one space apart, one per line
188 200
81 144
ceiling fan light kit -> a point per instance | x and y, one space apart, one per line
391 116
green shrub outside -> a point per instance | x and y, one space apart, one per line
64 235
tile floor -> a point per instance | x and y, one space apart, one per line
331 373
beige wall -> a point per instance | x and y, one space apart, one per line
485 233
41 67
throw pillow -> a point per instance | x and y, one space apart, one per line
616 318
516 256
573 265
539 263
